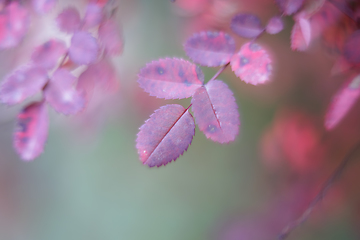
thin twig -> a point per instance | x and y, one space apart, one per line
220 71
327 185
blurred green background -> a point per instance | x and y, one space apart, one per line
89 183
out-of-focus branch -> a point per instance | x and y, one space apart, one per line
327 185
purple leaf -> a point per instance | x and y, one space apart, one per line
165 135
210 49
31 131
93 15
69 20
275 25
61 94
252 64
43 6
22 83
216 112
171 78
111 38
48 54
15 22
289 6
342 102
352 48
83 49
100 74
246 25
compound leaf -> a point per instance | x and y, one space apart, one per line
165 135
342 102
31 131
61 94
83 49
171 78
252 64
216 112
246 25
210 49
21 84
69 20
48 54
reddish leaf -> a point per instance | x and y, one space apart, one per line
301 33
48 54
171 78
275 25
352 48
43 6
252 64
93 15
342 102
83 49
111 37
246 25
15 24
165 135
61 94
289 6
32 130
69 20
22 83
215 111
210 49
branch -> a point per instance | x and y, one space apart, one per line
344 9
327 185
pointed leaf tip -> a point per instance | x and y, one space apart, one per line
170 78
342 102
165 135
31 131
210 49
216 112
252 64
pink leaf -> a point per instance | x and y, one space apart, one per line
100 74
93 15
21 84
301 34
289 6
246 25
69 20
210 49
215 111
111 37
342 102
43 6
352 48
165 135
61 94
32 130
275 25
48 54
171 78
83 49
252 64
15 24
